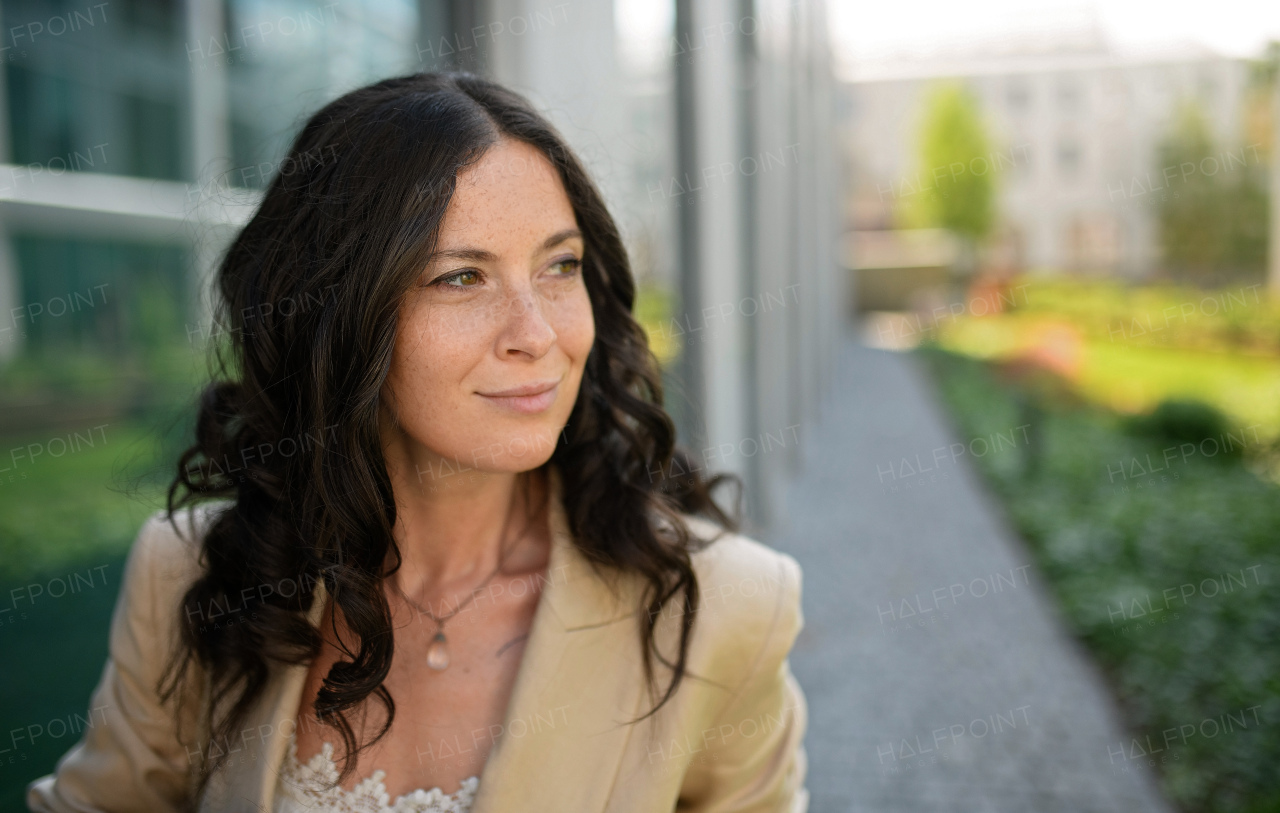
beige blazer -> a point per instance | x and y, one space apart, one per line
729 740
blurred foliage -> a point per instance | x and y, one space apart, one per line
1259 100
655 311
104 334
1106 533
90 375
1212 217
96 403
100 294
59 510
1129 348
1182 421
955 159
1235 319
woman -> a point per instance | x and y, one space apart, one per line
434 548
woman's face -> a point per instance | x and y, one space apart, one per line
494 336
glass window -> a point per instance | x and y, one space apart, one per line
1069 157
114 88
1018 96
286 59
1069 96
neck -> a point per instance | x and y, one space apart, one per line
453 529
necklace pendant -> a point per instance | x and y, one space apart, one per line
438 653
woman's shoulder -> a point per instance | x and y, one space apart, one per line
749 598
163 564
176 537
165 557
736 564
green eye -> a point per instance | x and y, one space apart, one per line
568 266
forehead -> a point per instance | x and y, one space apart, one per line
511 196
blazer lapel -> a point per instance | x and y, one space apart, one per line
580 681
251 781
274 745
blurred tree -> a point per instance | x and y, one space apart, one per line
1188 223
1213 217
957 172
1262 124
1258 100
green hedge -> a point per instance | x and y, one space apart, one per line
1120 526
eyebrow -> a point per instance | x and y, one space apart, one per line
480 255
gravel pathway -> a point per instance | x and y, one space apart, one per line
938 673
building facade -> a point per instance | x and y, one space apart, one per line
1076 131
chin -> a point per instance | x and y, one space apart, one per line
523 448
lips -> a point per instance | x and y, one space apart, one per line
528 398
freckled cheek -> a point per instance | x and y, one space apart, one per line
575 326
463 323
431 360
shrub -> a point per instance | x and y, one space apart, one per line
1120 545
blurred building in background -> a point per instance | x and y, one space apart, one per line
1076 126
136 135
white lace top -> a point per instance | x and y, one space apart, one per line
311 788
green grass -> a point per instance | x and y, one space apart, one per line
1237 319
1105 534
1127 348
57 512
1135 379
1128 377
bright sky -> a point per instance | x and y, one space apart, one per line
867 30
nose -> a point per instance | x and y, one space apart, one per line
526 330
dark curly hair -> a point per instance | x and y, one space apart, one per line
287 430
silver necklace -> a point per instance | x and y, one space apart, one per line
438 649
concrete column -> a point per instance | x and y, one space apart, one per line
715 282
10 288
209 125
562 57
687 400
775 260
759 505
